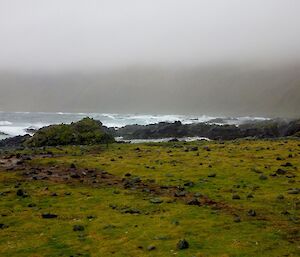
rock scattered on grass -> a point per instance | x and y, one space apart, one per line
280 197
252 213
293 191
263 177
236 197
78 228
237 219
156 200
22 193
49 216
151 247
182 244
212 175
3 226
194 201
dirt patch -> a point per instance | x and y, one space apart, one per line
101 178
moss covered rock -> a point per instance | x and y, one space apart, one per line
84 132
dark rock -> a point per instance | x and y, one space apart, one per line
22 193
252 213
78 228
49 216
236 197
194 201
212 175
151 248
280 172
175 222
288 164
3 226
293 191
17 141
280 197
75 175
73 166
237 219
250 196
263 177
182 244
285 212
131 211
189 184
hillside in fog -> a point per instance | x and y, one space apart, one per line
218 90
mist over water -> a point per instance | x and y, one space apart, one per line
214 58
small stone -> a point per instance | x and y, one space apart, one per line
236 197
280 172
180 193
252 213
198 195
175 222
109 226
49 216
193 201
22 193
156 200
237 219
288 164
151 248
212 175
294 191
182 244
3 226
250 196
280 197
78 228
263 177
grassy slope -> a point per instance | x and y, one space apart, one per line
210 232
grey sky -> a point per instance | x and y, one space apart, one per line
93 34
230 57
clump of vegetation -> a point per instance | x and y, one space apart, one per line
84 132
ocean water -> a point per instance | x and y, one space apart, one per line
16 123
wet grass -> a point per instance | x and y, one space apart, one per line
109 231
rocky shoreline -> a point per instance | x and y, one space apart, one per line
89 131
259 129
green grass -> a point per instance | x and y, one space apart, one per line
209 231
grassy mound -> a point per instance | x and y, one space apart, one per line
84 132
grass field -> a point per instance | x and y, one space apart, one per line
232 198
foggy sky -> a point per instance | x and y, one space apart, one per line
213 57
72 34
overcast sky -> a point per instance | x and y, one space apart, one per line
93 34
